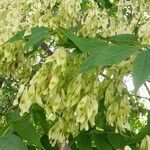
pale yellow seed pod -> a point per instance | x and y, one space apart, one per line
109 95
127 148
112 113
21 89
53 82
25 102
145 145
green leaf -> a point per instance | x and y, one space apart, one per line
38 35
101 142
12 116
100 119
141 69
113 10
133 146
147 46
46 143
109 56
39 117
84 141
105 3
125 38
85 5
18 36
39 30
11 142
144 131
74 146
72 143
27 132
31 147
4 129
108 4
85 44
117 141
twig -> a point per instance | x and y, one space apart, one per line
103 75
1 81
143 97
46 48
147 88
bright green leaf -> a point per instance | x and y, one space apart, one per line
105 3
85 44
46 143
100 119
13 116
11 142
38 35
27 131
124 38
133 146
18 36
39 117
117 141
101 142
39 30
144 131
31 147
109 56
113 10
84 141
4 129
141 69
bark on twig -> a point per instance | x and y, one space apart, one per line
147 88
46 48
1 81
143 97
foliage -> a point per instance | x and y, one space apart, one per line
62 71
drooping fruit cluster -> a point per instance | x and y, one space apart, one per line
118 111
72 99
116 98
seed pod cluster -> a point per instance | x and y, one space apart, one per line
117 100
72 99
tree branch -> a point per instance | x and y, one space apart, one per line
1 81
46 48
143 97
147 88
